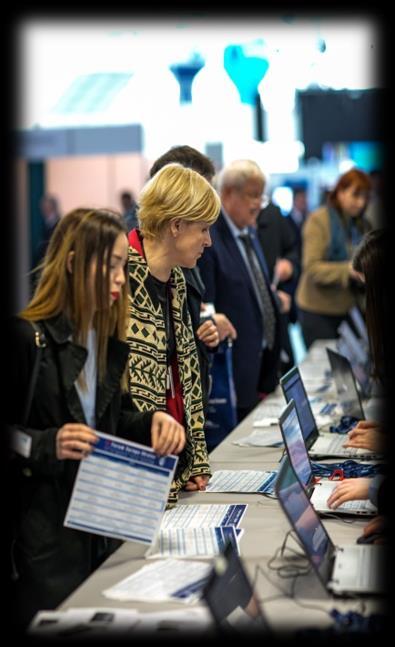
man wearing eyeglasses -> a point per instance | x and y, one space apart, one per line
237 283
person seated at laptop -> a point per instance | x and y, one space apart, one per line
370 261
367 434
356 488
376 531
376 490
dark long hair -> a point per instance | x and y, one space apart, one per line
90 235
371 258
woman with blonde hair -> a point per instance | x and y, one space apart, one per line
80 309
176 208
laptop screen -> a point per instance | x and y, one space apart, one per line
361 373
359 324
345 384
230 597
293 389
294 443
305 521
354 344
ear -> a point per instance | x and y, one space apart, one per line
175 226
69 262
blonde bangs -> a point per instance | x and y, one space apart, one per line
176 192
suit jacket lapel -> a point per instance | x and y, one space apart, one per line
235 254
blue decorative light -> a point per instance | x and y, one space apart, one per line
185 73
246 67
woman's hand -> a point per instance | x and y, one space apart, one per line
74 441
167 435
349 490
197 483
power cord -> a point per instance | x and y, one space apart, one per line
292 571
340 517
289 570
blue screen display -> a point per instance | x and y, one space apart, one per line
294 390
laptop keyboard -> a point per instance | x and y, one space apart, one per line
354 567
323 490
364 569
334 445
358 504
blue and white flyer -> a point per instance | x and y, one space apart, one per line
121 490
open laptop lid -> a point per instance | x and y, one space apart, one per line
293 389
305 522
346 387
353 342
360 371
230 596
295 445
357 352
360 325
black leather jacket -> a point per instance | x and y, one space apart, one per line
48 560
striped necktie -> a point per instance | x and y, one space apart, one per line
262 290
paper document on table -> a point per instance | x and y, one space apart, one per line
265 422
240 481
121 490
269 410
191 619
261 438
161 581
194 542
83 621
317 386
207 515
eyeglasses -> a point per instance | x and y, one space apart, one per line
252 196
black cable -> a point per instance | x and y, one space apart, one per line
288 570
340 517
299 572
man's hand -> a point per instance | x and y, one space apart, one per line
208 333
283 270
224 326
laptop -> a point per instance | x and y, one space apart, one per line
360 325
299 458
324 444
353 348
341 569
230 597
346 388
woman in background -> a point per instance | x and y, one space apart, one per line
329 286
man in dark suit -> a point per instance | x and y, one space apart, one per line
233 284
280 246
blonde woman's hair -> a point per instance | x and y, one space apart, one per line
176 192
90 235
237 173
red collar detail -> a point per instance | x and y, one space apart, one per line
136 241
